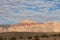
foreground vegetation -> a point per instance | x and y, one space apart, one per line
29 36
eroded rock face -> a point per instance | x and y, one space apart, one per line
30 26
4 28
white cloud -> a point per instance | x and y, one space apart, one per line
15 10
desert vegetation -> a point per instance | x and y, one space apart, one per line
29 36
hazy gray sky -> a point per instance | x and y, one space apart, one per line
12 11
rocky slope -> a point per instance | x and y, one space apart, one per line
31 26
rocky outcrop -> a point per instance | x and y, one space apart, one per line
31 26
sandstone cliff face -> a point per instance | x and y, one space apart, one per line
30 26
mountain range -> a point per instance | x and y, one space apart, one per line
31 26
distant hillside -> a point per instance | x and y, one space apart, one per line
31 26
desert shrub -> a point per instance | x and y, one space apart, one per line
12 38
29 37
44 36
22 37
54 35
59 35
36 37
5 38
1 38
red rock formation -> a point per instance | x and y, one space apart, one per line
31 26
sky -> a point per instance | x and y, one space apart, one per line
13 11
